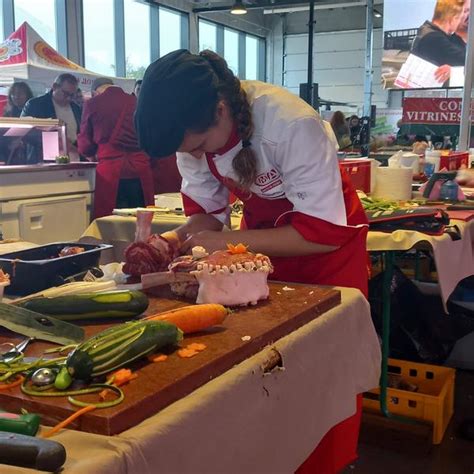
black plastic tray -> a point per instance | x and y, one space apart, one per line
38 268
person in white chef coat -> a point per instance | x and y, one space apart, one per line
273 151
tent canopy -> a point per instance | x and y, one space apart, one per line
24 55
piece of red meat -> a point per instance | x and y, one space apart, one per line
150 252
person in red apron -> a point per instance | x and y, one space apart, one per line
272 150
123 175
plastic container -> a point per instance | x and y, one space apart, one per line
449 191
471 158
38 268
433 402
432 161
454 160
359 171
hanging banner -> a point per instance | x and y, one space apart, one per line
434 111
431 116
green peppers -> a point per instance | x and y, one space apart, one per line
63 380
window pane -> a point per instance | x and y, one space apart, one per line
137 46
251 57
1 22
231 49
170 31
99 36
41 15
207 36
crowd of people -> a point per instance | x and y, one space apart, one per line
99 129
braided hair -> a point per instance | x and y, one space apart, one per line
229 89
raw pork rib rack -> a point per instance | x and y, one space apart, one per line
150 252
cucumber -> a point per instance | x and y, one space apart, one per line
119 345
110 304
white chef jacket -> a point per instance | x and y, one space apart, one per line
296 159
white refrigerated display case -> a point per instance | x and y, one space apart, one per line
41 201
46 203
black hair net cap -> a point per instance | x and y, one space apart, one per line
175 90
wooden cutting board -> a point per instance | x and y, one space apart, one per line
160 384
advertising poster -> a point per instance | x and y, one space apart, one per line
424 43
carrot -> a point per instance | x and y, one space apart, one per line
196 346
15 383
119 378
235 249
68 420
186 353
160 358
123 376
193 318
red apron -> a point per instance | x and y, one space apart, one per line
111 160
346 266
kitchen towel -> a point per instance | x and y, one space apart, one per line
393 183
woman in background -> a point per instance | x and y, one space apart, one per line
13 150
341 130
18 95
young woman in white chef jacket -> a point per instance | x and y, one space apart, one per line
274 152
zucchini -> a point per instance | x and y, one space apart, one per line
110 304
119 345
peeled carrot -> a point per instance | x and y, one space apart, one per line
68 420
159 358
193 318
186 353
196 346
119 378
15 383
235 249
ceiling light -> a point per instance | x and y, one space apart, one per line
238 8
377 14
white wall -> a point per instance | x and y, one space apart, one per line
339 66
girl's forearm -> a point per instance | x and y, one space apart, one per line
278 242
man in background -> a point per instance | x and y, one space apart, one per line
123 176
434 40
461 32
58 104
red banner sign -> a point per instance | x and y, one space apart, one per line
434 111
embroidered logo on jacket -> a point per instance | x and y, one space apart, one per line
268 180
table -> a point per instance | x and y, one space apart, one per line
245 420
454 261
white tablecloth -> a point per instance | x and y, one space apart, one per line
454 259
244 421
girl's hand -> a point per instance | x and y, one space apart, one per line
209 239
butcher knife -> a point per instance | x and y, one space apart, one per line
149 280
39 326
28 451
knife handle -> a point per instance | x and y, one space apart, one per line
27 424
149 280
28 451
